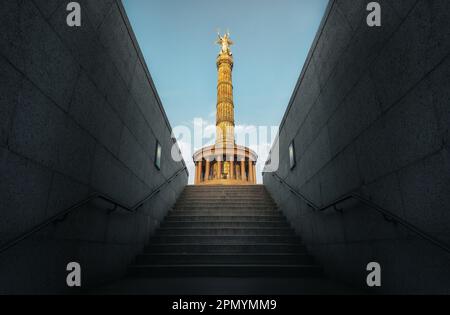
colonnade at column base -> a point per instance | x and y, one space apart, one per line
225 182
225 165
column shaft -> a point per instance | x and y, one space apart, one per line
200 173
219 169
196 179
207 170
250 172
232 169
243 177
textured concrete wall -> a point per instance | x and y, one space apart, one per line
78 113
370 114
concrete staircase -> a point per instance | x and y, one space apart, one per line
225 231
225 240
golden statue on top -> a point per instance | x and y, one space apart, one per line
225 42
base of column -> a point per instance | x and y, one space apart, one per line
226 182
238 171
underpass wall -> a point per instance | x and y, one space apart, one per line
370 115
79 114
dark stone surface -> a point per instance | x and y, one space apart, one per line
10 85
79 114
382 103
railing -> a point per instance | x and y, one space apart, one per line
61 216
388 215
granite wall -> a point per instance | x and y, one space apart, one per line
370 114
79 114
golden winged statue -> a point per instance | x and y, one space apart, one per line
225 42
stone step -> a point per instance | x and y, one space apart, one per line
243 194
254 194
225 231
224 258
224 239
214 216
224 224
227 270
224 187
229 197
227 202
226 248
224 207
226 192
219 207
222 197
224 211
225 215
224 203
204 286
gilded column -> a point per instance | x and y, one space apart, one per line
232 169
219 169
200 168
250 171
207 170
243 177
196 174
219 158
225 105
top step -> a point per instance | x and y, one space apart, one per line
224 186
258 188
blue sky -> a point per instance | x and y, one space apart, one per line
272 40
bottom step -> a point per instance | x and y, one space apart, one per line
225 286
224 258
157 271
